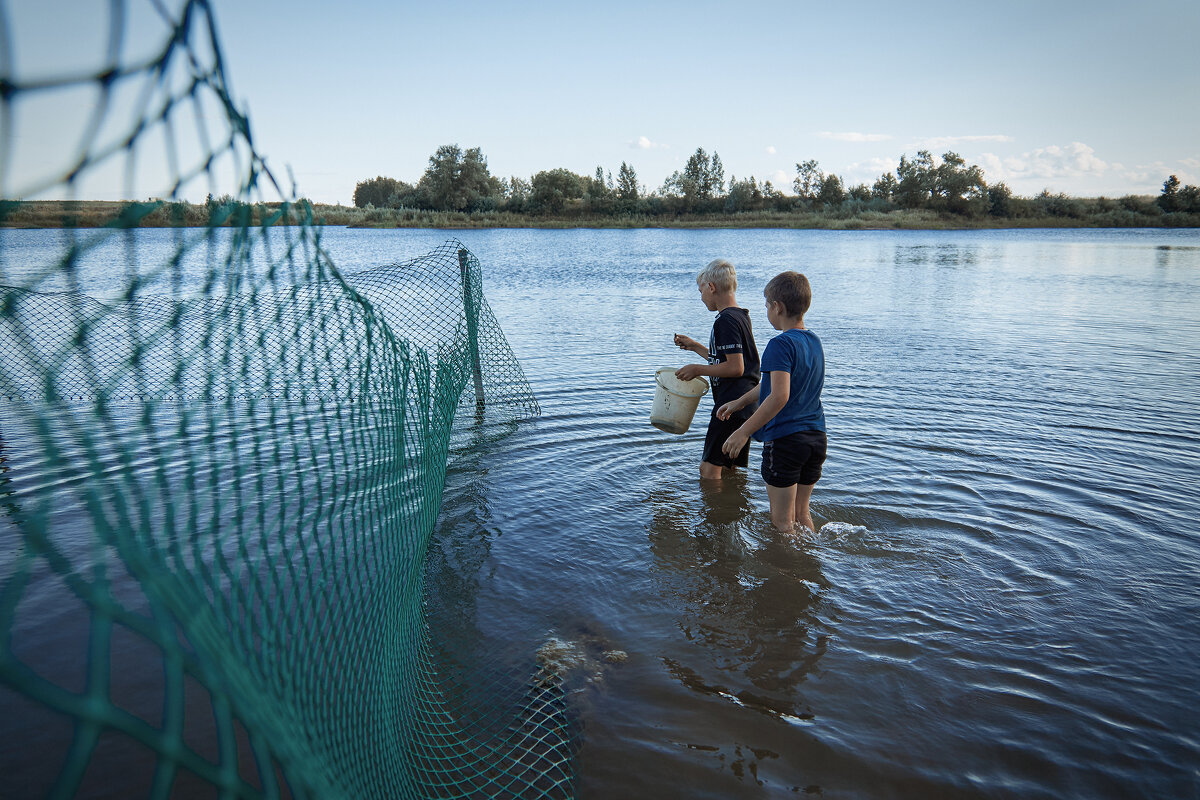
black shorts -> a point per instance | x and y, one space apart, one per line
718 432
795 458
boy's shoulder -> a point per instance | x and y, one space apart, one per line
732 315
734 323
795 340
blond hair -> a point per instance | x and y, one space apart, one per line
721 274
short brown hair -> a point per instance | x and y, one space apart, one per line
793 290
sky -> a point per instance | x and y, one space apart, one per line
1087 98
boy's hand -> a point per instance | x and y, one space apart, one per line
686 342
688 372
724 411
734 444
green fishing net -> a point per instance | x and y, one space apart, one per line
221 463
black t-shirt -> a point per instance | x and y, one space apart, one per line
732 333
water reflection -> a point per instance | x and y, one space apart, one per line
1162 256
747 599
456 561
940 254
7 502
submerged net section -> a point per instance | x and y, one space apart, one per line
220 465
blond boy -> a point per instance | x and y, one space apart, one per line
732 365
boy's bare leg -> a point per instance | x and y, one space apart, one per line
783 507
802 515
711 472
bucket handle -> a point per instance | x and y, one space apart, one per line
666 388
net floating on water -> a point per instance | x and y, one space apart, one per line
219 475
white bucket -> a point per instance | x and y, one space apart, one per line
675 401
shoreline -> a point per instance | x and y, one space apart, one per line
88 214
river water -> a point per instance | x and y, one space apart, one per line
1002 598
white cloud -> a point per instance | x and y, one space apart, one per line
993 167
852 136
938 142
1145 177
643 143
771 150
1047 163
1077 169
868 171
1143 173
780 179
876 166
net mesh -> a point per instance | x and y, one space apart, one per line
221 462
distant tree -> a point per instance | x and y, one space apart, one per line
772 197
439 186
376 191
808 180
957 187
1134 203
1189 199
552 189
756 191
1177 197
458 180
1169 199
915 180
701 180
999 198
599 194
733 196
831 192
517 194
697 176
597 187
404 196
716 175
744 195
627 183
223 201
672 186
1056 205
885 187
860 192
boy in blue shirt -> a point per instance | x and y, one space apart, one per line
789 421
732 365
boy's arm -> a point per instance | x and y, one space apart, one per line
728 339
781 387
688 343
732 367
749 397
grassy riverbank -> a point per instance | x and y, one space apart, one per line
1083 213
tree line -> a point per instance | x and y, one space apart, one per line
458 180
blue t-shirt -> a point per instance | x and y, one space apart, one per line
799 353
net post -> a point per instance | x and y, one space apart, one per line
464 267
